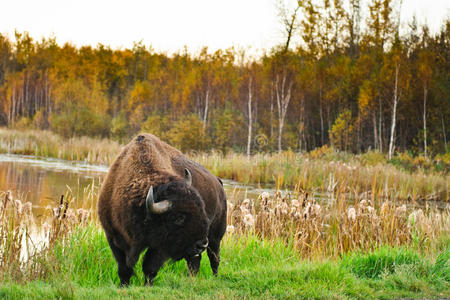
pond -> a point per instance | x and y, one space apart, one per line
42 181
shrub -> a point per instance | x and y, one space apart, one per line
372 158
119 128
158 125
320 152
189 134
442 162
341 132
23 123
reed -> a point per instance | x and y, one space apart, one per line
354 174
47 144
338 227
323 169
276 247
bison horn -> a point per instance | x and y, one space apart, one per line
188 177
156 208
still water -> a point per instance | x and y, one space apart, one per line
42 181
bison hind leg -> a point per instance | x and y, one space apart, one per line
214 255
193 264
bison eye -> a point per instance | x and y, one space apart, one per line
179 219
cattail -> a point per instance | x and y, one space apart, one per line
46 228
8 197
230 228
244 210
27 208
295 203
70 216
265 196
281 209
55 211
384 208
415 216
19 206
400 210
246 203
316 209
249 220
307 210
264 200
351 214
294 210
278 195
83 215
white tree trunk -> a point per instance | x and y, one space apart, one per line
13 114
394 112
249 139
283 98
380 122
425 92
321 117
205 114
443 131
375 131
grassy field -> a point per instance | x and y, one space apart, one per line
275 248
367 240
322 170
251 268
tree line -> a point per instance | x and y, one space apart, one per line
349 83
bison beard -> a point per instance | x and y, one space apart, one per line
155 198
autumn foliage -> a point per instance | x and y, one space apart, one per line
340 86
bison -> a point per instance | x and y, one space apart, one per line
155 198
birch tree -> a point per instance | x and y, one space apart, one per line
425 74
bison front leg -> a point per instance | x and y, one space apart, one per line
193 264
124 271
153 261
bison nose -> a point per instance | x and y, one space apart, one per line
201 245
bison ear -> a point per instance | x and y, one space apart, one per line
188 177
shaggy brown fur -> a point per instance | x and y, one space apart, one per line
198 211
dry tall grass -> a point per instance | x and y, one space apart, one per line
348 173
26 241
336 228
48 144
27 244
320 170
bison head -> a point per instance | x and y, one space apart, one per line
179 209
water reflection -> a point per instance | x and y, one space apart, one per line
43 180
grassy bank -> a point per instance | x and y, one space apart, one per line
322 170
329 172
276 247
251 268
47 144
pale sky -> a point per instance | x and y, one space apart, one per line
169 25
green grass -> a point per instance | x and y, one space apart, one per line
250 268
